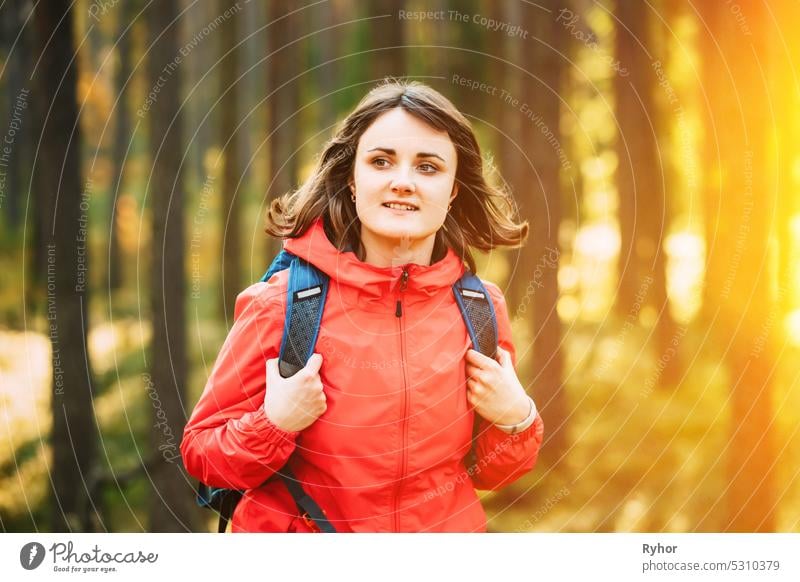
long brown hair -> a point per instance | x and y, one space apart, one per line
481 216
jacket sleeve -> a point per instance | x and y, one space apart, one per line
502 458
229 441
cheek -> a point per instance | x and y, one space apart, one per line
440 192
369 188
365 175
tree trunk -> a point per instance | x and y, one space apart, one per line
232 174
326 46
387 37
74 433
122 136
640 182
14 166
540 204
171 501
283 103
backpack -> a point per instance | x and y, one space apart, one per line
307 291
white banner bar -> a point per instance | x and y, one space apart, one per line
401 557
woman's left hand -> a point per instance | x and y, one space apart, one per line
494 389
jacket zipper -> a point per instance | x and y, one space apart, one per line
404 428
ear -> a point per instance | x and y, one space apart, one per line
352 185
455 192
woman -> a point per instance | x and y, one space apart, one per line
377 426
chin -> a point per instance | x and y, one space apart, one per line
392 230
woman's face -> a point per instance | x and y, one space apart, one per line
403 162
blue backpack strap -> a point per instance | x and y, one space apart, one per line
305 300
281 262
307 506
218 499
307 291
477 310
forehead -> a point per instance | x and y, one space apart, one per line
399 130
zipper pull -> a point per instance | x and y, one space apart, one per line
398 311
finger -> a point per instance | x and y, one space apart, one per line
472 371
503 357
477 359
272 366
476 374
475 387
314 363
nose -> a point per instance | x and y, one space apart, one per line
402 182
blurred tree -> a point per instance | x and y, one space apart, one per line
73 438
740 208
283 102
542 208
533 127
465 58
172 506
325 46
16 88
199 41
431 48
233 169
641 174
643 212
387 37
513 162
122 135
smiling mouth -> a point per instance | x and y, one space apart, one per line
398 206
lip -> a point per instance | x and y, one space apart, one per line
415 206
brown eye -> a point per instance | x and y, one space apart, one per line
428 168
380 162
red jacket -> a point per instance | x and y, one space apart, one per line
388 453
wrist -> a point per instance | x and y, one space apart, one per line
277 422
518 413
524 423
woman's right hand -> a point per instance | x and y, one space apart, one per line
294 403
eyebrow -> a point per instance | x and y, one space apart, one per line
392 152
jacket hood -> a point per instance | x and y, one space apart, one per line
345 268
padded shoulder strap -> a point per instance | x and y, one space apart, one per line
281 262
477 310
305 300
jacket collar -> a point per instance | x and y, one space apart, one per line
346 269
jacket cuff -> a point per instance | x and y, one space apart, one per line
257 422
496 434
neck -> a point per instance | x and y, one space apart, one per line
392 253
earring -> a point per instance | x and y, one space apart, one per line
353 197
449 206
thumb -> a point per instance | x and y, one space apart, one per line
314 363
